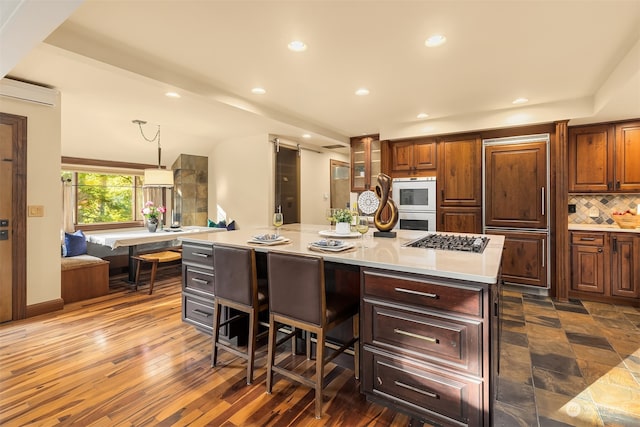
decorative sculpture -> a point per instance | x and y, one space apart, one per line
382 192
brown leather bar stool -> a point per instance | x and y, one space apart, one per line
299 299
236 286
154 258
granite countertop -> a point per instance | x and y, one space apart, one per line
602 227
386 253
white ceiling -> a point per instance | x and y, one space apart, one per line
113 61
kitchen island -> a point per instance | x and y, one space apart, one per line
429 318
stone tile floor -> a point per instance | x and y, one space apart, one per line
568 364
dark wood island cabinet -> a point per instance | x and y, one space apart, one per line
429 319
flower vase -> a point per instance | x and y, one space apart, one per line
343 228
152 225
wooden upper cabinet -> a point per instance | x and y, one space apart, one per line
460 172
515 185
412 158
366 162
604 158
627 152
591 158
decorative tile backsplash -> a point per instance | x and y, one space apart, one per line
601 206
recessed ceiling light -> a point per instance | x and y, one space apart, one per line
362 91
435 40
297 46
306 135
422 116
172 94
520 101
258 91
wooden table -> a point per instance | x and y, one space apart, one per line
133 237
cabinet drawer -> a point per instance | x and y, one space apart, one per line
198 280
423 293
198 312
593 239
434 394
429 337
197 254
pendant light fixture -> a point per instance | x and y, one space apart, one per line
156 177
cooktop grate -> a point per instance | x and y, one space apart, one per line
451 242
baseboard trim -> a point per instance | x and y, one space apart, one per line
45 307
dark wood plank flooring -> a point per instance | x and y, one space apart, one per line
128 359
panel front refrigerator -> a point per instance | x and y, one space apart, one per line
516 200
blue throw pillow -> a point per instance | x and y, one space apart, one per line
211 223
75 244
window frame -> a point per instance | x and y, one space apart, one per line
79 165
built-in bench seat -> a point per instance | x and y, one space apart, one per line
84 277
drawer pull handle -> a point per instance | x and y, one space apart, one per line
412 292
202 313
200 254
412 335
587 239
417 390
201 281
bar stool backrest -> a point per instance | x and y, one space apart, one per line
297 287
235 273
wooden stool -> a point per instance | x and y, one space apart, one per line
298 298
154 258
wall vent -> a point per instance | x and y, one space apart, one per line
333 147
28 92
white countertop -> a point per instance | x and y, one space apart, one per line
602 227
137 236
387 253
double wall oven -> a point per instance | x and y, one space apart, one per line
416 202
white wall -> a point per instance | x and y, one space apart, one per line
43 188
241 181
315 185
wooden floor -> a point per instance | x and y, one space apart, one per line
128 359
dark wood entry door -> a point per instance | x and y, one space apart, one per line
515 185
6 193
13 252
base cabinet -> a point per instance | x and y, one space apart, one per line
625 265
429 346
198 295
605 266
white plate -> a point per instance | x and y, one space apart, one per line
331 233
278 240
331 248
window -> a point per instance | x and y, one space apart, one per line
104 195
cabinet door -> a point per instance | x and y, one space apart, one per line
424 155
358 164
366 162
516 178
460 172
524 258
588 268
591 158
627 172
375 162
460 220
402 156
625 265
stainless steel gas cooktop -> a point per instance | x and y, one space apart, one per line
451 242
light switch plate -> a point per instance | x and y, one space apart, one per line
36 210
